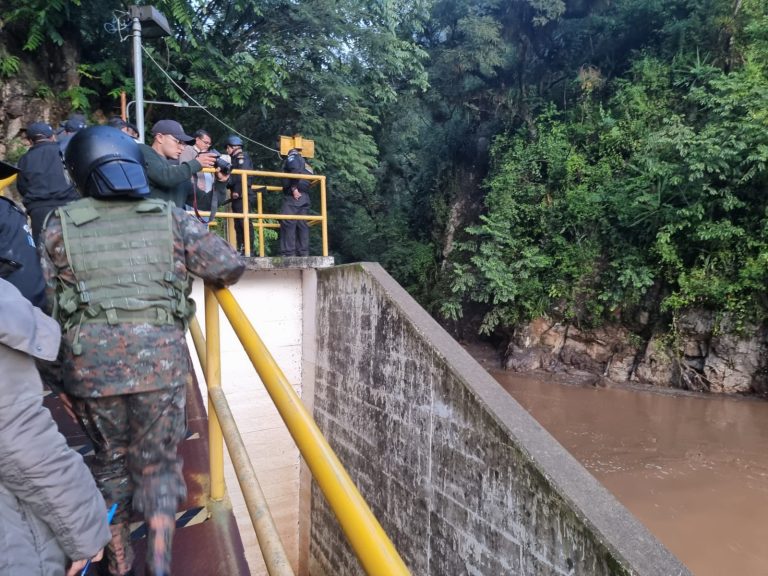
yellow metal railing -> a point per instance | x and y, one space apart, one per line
221 425
261 218
375 551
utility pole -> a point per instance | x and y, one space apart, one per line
138 75
155 25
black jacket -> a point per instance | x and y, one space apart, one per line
42 180
241 161
295 164
16 244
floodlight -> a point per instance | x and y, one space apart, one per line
153 22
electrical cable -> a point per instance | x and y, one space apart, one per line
211 114
118 25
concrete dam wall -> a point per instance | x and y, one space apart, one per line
462 479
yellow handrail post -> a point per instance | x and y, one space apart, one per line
246 217
275 557
324 214
213 378
370 543
231 235
259 205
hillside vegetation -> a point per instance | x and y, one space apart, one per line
585 160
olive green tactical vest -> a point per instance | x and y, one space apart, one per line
121 253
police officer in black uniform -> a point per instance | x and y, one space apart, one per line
19 262
233 146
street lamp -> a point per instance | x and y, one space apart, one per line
154 25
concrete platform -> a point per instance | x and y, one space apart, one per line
289 262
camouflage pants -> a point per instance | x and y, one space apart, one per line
135 439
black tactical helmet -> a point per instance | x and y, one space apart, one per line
233 140
106 163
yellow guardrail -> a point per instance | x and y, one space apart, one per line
261 218
373 548
222 426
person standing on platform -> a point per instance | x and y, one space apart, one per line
117 266
294 234
42 180
233 146
201 195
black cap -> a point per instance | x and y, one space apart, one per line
233 140
74 124
172 128
39 130
116 122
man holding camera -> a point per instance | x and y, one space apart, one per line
202 195
169 181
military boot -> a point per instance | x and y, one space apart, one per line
159 544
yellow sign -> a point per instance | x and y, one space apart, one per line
306 147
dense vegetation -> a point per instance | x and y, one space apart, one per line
580 158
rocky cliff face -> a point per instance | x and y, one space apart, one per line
31 94
706 354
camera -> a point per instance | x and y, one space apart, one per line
222 162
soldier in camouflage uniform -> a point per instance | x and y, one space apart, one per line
117 271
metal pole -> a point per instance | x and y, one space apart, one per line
324 214
213 378
138 78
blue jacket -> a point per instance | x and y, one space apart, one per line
16 244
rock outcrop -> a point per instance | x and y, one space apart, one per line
702 353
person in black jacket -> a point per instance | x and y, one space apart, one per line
233 146
294 234
19 261
72 126
42 182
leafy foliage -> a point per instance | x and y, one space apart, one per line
43 20
9 66
579 159
661 184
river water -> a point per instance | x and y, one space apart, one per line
692 468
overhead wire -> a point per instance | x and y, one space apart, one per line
118 25
202 107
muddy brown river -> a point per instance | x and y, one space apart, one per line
693 469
